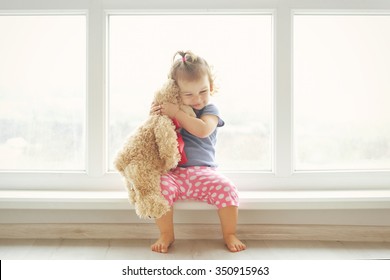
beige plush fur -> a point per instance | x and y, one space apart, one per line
148 153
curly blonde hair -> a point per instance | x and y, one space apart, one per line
190 67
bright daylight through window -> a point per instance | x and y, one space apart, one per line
341 92
42 92
240 47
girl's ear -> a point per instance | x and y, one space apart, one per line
211 88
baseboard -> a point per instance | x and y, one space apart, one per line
196 231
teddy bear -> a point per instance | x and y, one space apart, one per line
150 151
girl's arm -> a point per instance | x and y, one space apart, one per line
201 128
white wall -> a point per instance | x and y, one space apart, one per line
277 216
366 217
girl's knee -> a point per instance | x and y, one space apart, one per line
225 196
168 190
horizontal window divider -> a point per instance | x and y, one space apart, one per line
358 12
45 12
245 181
184 12
249 200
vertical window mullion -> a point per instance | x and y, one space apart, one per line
96 101
283 93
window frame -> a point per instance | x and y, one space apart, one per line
269 12
80 12
284 177
381 172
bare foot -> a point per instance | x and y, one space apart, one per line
233 243
162 244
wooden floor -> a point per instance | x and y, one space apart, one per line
118 249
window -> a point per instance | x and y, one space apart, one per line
239 46
42 92
303 88
341 92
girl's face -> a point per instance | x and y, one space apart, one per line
195 93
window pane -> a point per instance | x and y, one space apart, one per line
42 92
240 47
342 92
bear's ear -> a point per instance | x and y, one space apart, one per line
172 86
172 83
169 83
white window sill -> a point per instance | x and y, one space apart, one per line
249 200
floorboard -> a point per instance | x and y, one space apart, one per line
130 249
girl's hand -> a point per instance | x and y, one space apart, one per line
155 109
169 109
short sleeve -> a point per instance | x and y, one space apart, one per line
211 109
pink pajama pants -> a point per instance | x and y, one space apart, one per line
201 183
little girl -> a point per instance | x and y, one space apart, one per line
197 178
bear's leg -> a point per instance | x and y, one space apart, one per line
167 235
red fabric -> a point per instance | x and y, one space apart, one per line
180 143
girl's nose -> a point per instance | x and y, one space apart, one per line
198 98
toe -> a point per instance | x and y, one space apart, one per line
242 247
232 248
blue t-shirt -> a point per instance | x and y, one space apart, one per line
201 151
